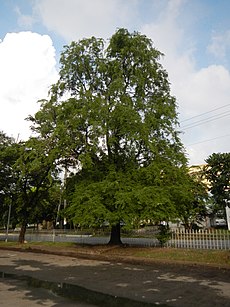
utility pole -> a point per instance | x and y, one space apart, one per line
62 223
8 222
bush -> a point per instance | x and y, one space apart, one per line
164 234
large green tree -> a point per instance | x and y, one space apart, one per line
217 172
112 117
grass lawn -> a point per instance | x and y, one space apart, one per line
217 257
196 256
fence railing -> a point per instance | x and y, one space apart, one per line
180 238
202 239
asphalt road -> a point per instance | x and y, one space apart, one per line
15 292
42 279
30 237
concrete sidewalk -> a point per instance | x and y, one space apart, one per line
155 284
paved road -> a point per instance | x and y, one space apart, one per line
30 237
124 284
15 292
82 239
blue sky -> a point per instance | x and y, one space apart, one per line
194 35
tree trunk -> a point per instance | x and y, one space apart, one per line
115 235
187 226
21 238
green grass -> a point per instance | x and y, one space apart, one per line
217 257
31 244
196 256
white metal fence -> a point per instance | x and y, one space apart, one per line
202 239
180 238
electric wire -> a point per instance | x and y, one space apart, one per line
206 120
208 140
187 119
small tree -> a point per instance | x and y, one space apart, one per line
27 172
164 234
217 172
9 152
190 194
35 170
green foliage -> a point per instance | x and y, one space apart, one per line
8 156
27 176
190 196
36 173
164 234
119 106
119 196
217 173
111 117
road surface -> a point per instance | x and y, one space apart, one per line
94 281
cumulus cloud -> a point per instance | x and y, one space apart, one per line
75 19
27 69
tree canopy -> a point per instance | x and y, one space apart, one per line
8 156
191 195
27 181
37 172
112 118
217 172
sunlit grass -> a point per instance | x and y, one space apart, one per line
219 257
196 256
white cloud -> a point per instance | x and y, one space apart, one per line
197 90
220 44
23 19
205 90
75 19
27 69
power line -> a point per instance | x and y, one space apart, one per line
206 120
208 140
205 113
